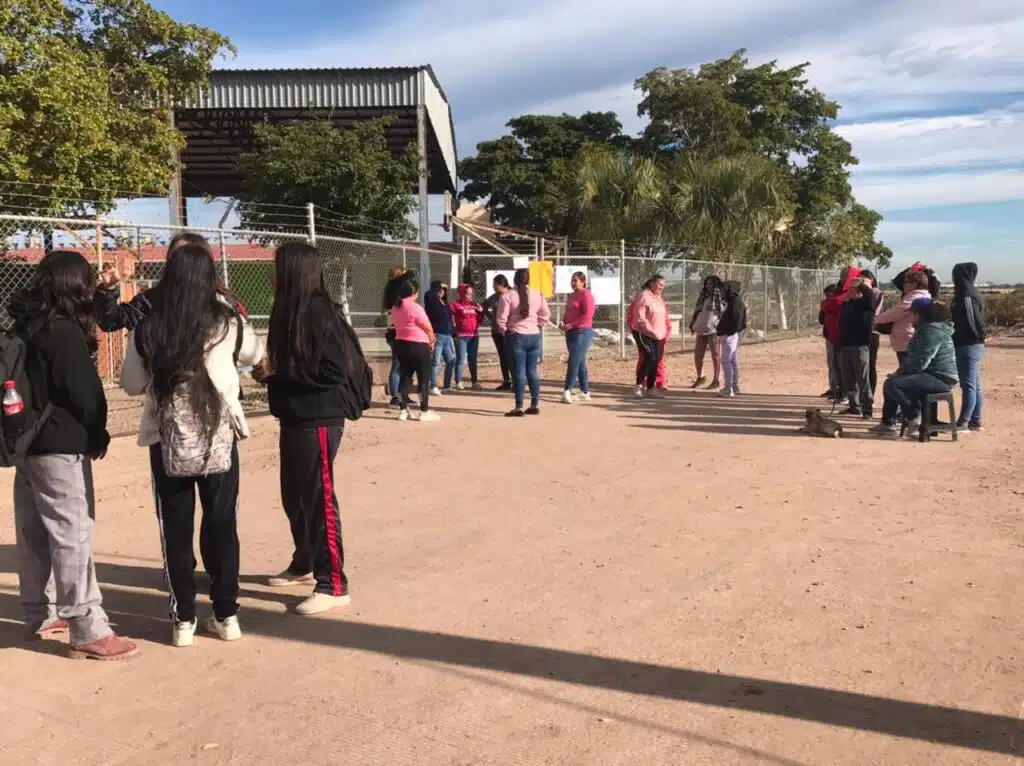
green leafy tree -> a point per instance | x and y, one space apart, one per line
352 173
727 108
85 88
524 175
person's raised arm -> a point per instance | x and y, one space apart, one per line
896 313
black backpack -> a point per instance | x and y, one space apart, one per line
13 356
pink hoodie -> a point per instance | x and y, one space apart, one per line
902 320
651 318
510 321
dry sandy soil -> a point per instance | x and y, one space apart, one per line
685 581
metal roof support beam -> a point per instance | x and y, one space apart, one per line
421 146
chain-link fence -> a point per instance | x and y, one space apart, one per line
781 302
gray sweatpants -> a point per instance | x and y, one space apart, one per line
54 508
855 367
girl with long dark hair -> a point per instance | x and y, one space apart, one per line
704 326
522 315
309 360
490 305
414 344
54 503
184 355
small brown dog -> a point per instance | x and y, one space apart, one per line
816 424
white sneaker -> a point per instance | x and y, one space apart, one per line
287 579
567 397
460 386
726 393
183 633
229 630
913 426
404 414
638 392
435 391
584 397
429 417
319 603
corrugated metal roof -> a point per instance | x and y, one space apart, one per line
309 89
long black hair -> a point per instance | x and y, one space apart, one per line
522 283
303 315
401 287
64 284
181 239
186 318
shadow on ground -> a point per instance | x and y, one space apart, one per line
139 613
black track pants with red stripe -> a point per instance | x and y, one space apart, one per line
311 503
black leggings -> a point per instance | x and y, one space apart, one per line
499 345
650 348
413 359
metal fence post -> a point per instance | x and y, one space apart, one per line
622 299
682 321
311 222
224 260
799 306
765 338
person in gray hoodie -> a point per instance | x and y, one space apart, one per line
969 343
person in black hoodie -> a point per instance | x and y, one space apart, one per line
969 343
308 361
855 329
53 489
730 329
436 304
500 286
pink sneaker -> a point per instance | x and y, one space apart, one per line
110 649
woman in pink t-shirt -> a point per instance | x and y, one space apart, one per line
522 315
578 324
650 327
413 344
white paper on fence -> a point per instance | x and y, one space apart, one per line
563 278
519 262
490 275
605 290
455 276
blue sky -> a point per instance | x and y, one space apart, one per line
932 91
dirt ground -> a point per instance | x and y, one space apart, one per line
685 581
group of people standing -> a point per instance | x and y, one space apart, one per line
189 337
937 345
518 314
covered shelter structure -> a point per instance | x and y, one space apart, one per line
218 124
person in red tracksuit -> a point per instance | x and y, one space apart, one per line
661 382
830 309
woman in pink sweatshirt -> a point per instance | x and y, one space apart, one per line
578 324
900 318
650 325
467 314
522 315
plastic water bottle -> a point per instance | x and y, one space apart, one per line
14 412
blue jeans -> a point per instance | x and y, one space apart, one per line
905 391
466 351
578 342
525 355
444 348
968 365
394 376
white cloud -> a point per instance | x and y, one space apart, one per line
911 192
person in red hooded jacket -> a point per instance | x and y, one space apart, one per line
830 308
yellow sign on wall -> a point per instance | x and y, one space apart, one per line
542 277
